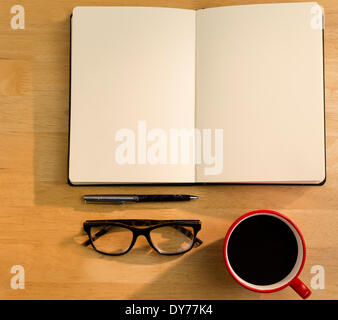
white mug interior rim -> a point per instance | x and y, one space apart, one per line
294 270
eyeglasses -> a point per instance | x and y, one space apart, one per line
117 237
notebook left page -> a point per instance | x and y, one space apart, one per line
132 95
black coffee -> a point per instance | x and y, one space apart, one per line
262 250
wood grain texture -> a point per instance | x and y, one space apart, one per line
41 215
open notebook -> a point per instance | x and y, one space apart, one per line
227 95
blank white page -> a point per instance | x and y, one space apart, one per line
260 79
130 65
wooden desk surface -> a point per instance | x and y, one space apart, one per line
41 215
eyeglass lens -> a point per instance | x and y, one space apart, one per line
113 239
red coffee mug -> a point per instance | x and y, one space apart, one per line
292 278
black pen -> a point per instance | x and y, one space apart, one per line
122 198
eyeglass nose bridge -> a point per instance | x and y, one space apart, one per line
144 233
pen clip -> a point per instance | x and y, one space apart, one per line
117 202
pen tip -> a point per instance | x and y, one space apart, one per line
193 197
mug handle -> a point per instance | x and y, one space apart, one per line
300 288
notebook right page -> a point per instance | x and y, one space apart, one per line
260 94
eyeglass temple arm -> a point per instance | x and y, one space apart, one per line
97 235
189 234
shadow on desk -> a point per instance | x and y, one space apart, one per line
200 274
